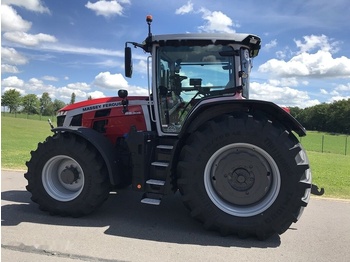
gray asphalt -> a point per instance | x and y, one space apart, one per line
123 229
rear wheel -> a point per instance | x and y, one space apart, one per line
67 176
244 174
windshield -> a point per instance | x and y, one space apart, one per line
187 74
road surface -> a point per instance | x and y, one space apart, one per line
123 229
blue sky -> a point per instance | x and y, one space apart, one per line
61 47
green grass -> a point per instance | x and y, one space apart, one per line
326 143
329 170
18 137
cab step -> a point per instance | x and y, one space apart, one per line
160 164
155 182
151 199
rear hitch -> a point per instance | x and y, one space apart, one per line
316 191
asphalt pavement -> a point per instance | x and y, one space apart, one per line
123 229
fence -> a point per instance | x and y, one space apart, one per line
326 143
28 116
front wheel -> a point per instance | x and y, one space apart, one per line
244 174
67 176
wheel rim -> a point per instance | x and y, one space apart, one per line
63 178
242 179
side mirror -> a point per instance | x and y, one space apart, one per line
122 93
128 61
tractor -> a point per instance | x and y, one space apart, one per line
236 162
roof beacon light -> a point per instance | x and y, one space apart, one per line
149 20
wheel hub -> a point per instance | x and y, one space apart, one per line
69 175
241 179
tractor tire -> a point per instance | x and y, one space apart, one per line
67 176
245 175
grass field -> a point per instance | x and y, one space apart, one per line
18 137
329 170
326 143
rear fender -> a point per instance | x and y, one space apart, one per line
102 145
207 110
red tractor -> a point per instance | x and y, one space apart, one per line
235 161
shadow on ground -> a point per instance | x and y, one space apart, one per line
125 216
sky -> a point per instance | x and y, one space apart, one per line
61 47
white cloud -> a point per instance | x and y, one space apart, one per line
323 91
314 58
140 67
216 21
65 93
284 69
9 69
281 95
79 86
21 91
314 42
12 82
12 57
343 87
80 50
109 81
107 8
284 82
281 54
338 98
137 91
320 64
185 9
11 21
35 85
32 5
28 39
271 44
96 94
50 78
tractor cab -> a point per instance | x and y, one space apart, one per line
188 69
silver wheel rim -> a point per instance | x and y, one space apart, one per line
238 187
63 178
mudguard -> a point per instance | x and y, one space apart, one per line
101 143
211 108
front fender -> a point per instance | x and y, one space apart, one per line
211 108
102 145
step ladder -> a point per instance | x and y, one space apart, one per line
159 173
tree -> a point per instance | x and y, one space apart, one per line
30 104
72 100
46 105
57 105
295 111
12 99
332 117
